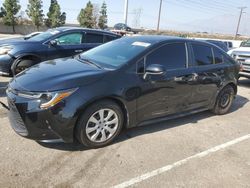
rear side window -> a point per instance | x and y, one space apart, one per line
108 38
93 38
202 54
172 56
218 56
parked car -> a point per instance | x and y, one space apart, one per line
125 83
17 56
229 44
220 44
242 55
122 26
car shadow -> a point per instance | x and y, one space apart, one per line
126 134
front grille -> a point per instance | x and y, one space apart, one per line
244 56
16 120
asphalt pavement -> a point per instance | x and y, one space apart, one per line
200 150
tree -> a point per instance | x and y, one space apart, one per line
10 9
85 17
35 12
103 18
55 17
2 12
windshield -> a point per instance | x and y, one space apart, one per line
246 44
45 35
116 53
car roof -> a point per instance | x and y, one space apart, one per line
153 39
63 29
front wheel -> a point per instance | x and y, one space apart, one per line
22 65
224 100
100 124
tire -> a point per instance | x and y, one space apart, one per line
224 101
90 128
22 65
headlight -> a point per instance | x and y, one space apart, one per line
51 99
5 49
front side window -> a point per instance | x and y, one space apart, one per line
202 54
93 38
172 56
70 39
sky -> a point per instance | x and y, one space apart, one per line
213 16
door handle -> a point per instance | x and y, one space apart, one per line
78 51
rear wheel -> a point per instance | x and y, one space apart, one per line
224 100
100 124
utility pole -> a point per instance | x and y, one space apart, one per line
238 25
126 12
159 16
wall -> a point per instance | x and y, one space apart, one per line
20 29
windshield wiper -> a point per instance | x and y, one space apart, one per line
88 62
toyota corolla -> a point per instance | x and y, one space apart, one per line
122 84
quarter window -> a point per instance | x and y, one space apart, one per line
172 56
93 38
202 54
70 39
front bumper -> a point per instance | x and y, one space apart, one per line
31 122
5 65
246 70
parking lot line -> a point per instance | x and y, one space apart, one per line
179 163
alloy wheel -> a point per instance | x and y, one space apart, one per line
102 125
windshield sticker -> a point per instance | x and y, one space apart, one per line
143 44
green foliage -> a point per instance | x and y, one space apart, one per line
55 17
103 18
35 12
85 17
10 9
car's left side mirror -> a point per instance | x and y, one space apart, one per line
154 69
53 43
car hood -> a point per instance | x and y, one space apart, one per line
241 49
56 75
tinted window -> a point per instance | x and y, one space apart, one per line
172 56
218 56
108 38
93 38
70 39
202 54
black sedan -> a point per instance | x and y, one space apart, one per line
124 83
15 56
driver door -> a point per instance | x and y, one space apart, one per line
66 45
168 93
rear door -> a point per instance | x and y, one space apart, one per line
92 40
210 72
